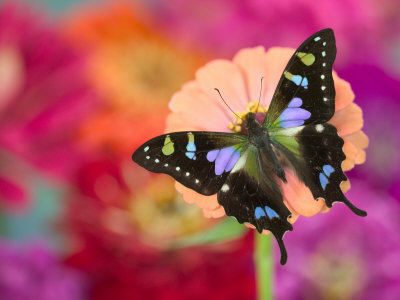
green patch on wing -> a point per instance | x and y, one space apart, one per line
287 138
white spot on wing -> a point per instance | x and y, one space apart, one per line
146 148
323 88
165 165
177 168
157 160
240 163
322 76
324 64
187 173
319 127
291 131
324 44
147 157
225 188
323 53
317 39
197 181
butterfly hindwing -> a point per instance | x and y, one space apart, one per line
251 194
305 93
198 160
315 153
223 163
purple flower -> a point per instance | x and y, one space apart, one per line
378 94
36 273
339 256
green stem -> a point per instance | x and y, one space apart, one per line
263 258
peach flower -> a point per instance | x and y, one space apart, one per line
198 107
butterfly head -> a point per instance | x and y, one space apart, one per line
251 123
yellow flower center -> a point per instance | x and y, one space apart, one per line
238 124
337 277
161 215
142 71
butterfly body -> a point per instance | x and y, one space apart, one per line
259 137
248 170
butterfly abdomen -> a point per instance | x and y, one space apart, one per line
259 137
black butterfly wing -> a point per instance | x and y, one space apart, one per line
296 120
223 163
191 158
305 93
251 194
315 153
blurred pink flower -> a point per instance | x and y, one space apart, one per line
35 272
337 256
44 94
362 28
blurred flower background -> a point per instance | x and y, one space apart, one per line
83 83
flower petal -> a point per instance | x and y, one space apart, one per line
299 197
227 77
344 93
351 152
198 109
190 196
275 61
348 120
248 61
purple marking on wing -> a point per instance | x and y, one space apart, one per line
294 123
212 155
294 114
295 102
235 157
222 159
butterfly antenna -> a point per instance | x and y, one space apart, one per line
226 103
259 98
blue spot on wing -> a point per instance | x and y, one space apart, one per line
328 170
271 213
191 146
296 79
323 179
304 82
191 155
259 212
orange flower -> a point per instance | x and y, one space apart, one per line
198 107
135 68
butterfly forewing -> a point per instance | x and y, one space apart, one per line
305 92
192 158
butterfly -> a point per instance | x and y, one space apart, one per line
247 170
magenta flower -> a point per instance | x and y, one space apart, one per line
36 273
337 256
361 27
44 94
378 94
